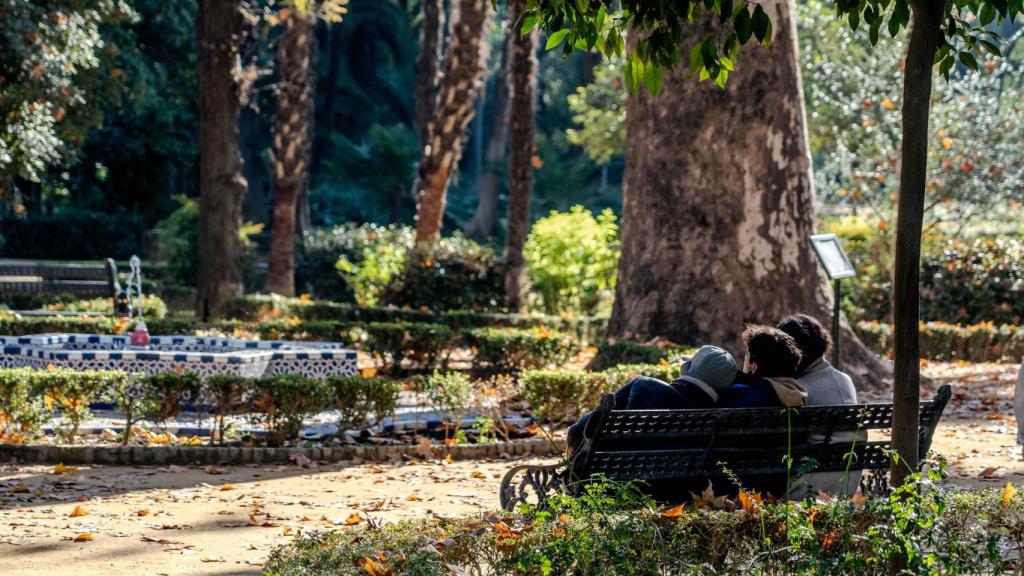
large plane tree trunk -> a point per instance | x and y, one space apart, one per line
481 226
718 205
456 104
292 142
522 115
221 185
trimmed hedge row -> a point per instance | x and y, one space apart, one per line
279 402
562 395
498 349
611 531
940 341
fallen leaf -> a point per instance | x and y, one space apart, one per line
78 511
1008 493
20 489
226 487
353 519
83 537
214 470
859 498
988 472
62 469
210 559
673 512
478 474
142 512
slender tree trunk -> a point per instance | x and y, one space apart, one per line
463 72
292 142
523 112
221 185
482 225
328 92
427 62
718 204
925 38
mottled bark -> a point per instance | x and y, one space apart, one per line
427 62
925 37
460 82
522 115
718 204
481 226
221 185
292 142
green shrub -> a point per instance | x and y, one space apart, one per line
454 274
282 401
451 395
356 398
129 394
611 529
563 395
572 259
153 306
372 257
614 353
226 394
316 262
394 342
70 391
981 281
170 394
514 349
22 409
946 342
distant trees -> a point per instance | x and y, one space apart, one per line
221 185
481 226
455 106
523 111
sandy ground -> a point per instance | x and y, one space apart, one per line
219 521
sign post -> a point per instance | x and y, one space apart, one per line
837 265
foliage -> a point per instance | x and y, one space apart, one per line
853 93
316 263
72 235
612 529
981 281
562 395
611 353
69 392
170 394
227 394
395 342
153 306
50 48
283 401
515 349
451 394
599 109
985 342
572 259
130 397
21 409
374 256
358 397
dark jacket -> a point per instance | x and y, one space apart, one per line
751 391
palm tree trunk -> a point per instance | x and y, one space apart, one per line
523 89
221 185
482 224
463 72
427 62
925 38
292 142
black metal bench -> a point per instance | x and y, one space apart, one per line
688 445
27 277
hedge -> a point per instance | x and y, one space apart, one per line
612 531
945 342
516 349
280 402
562 395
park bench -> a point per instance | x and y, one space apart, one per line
698 445
28 277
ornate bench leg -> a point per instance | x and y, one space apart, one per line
875 482
531 484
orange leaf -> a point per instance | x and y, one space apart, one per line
142 512
78 511
1008 493
674 512
858 498
353 519
226 487
62 469
373 568
478 474
83 537
750 501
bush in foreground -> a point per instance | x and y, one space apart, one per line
612 530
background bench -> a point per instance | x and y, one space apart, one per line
27 277
699 445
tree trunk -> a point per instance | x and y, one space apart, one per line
482 225
292 142
221 185
925 37
718 204
427 62
522 80
463 71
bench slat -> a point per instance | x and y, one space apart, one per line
77 287
48 271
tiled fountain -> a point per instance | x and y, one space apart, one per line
204 356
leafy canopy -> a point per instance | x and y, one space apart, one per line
658 25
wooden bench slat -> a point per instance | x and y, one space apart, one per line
46 271
83 280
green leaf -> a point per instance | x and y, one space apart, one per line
722 78
988 13
653 78
601 15
583 4
854 19
556 38
968 60
727 63
761 24
696 61
732 47
873 32
991 47
742 25
529 23
725 11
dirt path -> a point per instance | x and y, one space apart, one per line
149 521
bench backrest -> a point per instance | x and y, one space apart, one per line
84 280
678 444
